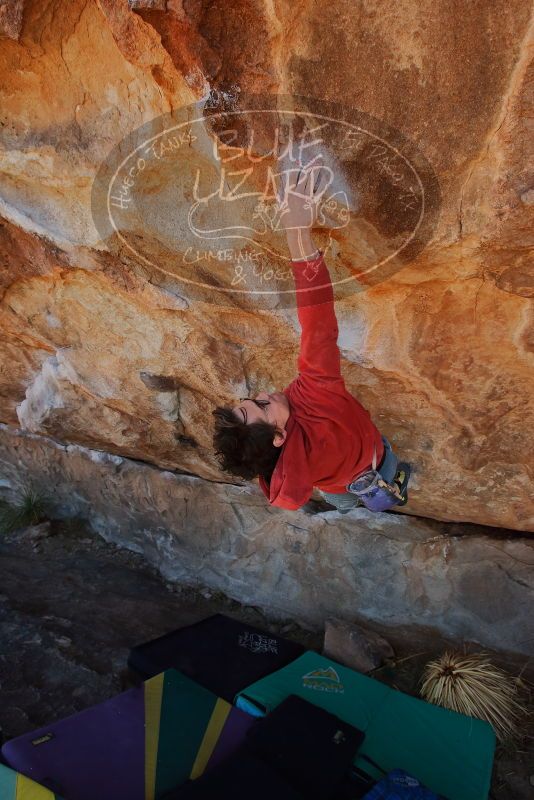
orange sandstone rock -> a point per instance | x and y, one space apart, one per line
101 349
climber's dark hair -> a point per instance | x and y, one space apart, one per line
244 450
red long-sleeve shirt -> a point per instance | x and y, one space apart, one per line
330 435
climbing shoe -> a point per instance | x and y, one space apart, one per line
402 476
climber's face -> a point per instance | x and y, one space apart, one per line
272 408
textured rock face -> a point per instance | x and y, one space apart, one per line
386 569
11 17
100 350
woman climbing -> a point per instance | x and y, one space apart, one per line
313 433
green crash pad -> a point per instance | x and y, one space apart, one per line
187 728
448 752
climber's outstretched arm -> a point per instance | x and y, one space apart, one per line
300 244
319 356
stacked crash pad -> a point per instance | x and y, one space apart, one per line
449 753
175 736
135 746
219 653
297 751
238 777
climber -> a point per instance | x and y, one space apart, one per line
314 433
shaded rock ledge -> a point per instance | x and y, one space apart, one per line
392 570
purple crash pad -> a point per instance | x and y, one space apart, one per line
97 753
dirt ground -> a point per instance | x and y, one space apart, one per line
71 607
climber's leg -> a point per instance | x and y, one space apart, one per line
344 502
394 471
391 470
388 465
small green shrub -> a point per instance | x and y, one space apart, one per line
29 510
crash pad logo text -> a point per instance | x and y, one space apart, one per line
42 739
257 643
323 680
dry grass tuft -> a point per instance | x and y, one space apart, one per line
472 685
